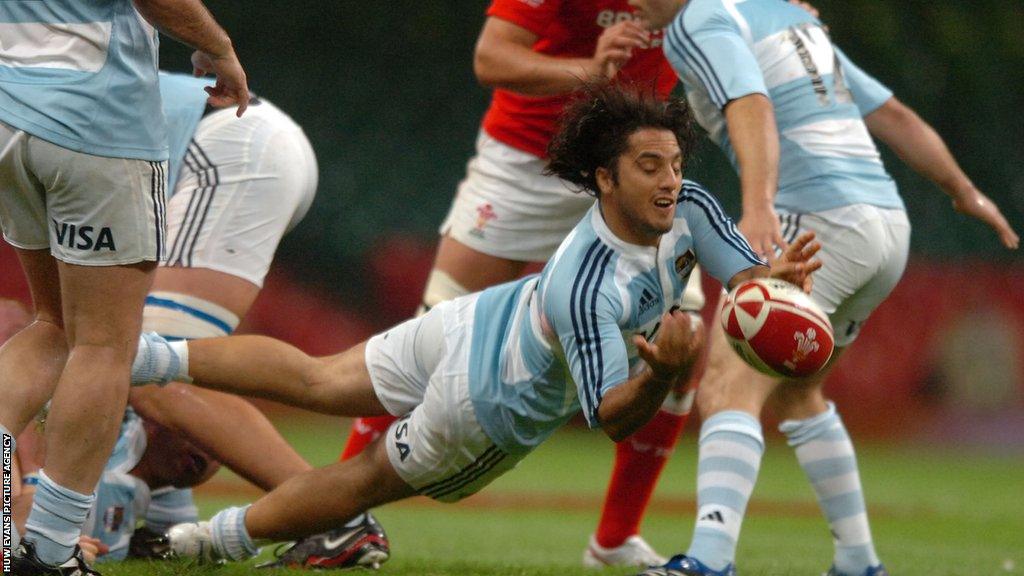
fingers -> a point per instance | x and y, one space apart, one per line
243 102
803 248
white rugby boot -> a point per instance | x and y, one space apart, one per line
635 552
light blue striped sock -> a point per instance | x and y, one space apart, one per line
230 538
170 506
826 454
731 446
55 522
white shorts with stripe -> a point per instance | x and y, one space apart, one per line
88 210
863 253
243 184
420 372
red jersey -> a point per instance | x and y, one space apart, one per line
570 29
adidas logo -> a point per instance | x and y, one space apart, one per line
647 300
715 516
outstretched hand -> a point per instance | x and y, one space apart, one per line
797 263
979 206
676 347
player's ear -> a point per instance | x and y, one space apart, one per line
605 180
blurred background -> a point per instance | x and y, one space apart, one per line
386 93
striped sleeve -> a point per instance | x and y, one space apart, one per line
868 93
586 321
711 46
719 246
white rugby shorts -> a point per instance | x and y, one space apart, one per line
506 207
420 372
863 253
88 210
243 184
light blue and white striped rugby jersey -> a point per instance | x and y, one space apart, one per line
184 102
727 49
547 345
121 499
83 75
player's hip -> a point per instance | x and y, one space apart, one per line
864 252
88 210
420 371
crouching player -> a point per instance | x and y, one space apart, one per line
148 457
237 186
480 381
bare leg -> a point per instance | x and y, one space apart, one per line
268 368
225 426
343 490
31 361
103 317
471 269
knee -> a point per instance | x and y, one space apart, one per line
797 400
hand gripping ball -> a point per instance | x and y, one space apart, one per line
776 328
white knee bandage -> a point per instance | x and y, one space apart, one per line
440 288
173 315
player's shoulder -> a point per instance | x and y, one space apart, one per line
583 267
694 194
698 14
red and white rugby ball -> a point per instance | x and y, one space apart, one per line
776 328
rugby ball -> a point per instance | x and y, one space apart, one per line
776 328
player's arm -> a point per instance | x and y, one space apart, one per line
713 49
670 358
755 141
504 58
921 148
727 255
189 22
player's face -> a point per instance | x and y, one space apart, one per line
176 461
656 14
641 203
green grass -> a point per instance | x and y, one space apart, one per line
935 512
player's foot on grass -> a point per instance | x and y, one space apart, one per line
681 565
193 541
25 562
872 571
360 543
634 552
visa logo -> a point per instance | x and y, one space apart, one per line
84 237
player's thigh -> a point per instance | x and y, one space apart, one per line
101 211
401 361
184 299
864 252
102 305
507 208
728 382
44 284
471 269
22 196
243 184
440 449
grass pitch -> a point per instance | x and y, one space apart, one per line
935 512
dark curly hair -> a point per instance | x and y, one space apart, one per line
594 130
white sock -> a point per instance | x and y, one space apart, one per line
230 538
159 361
